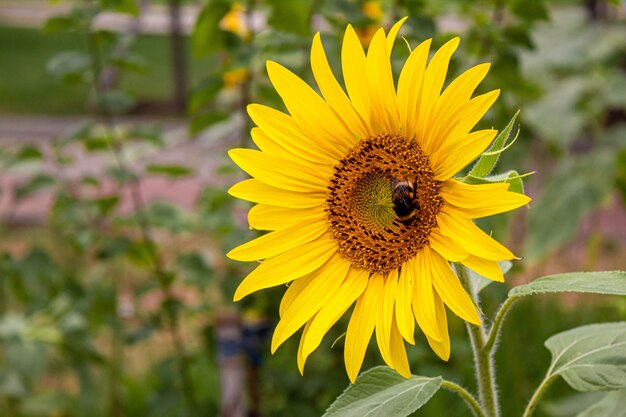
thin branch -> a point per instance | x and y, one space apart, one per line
541 389
472 403
494 333
134 186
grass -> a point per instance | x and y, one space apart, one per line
26 87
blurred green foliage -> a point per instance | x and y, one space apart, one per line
111 311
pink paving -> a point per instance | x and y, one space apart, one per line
204 154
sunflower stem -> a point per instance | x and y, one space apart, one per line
483 359
463 393
541 389
494 332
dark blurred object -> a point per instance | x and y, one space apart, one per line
596 9
255 330
231 365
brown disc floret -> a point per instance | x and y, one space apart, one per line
360 203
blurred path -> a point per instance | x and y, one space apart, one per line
34 13
204 154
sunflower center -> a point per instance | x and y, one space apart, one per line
383 202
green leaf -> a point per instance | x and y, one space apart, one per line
122 6
490 157
612 404
172 171
130 62
62 23
530 10
70 67
28 153
290 16
572 404
121 175
114 101
207 36
150 133
512 177
196 270
381 392
578 187
205 93
107 204
205 120
167 216
590 358
33 185
609 283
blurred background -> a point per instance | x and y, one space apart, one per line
115 115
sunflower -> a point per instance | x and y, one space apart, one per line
357 189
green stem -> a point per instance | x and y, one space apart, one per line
497 324
541 389
483 360
145 228
463 393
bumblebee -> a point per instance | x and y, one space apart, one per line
404 198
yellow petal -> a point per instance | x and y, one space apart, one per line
410 86
275 243
422 298
382 91
293 290
300 357
385 317
361 326
332 91
456 95
336 306
481 200
508 201
287 266
449 160
464 120
404 312
269 145
446 246
486 268
266 217
310 112
470 195
259 192
398 352
282 129
450 290
327 280
272 147
393 33
353 64
470 237
434 77
280 172
440 347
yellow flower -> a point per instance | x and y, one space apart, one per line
235 22
359 194
235 77
372 10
